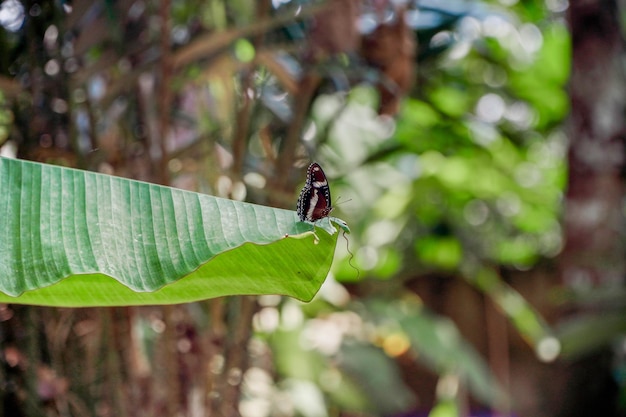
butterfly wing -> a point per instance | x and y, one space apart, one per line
314 202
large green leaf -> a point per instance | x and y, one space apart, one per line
77 238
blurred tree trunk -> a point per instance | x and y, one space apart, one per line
593 254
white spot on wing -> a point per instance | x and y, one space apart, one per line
312 205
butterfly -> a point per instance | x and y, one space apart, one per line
314 201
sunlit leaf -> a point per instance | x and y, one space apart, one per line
76 238
244 50
452 101
520 250
422 115
543 83
443 252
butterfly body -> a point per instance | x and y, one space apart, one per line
314 201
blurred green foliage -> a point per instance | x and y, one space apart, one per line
479 186
467 180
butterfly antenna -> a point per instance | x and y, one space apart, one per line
339 198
